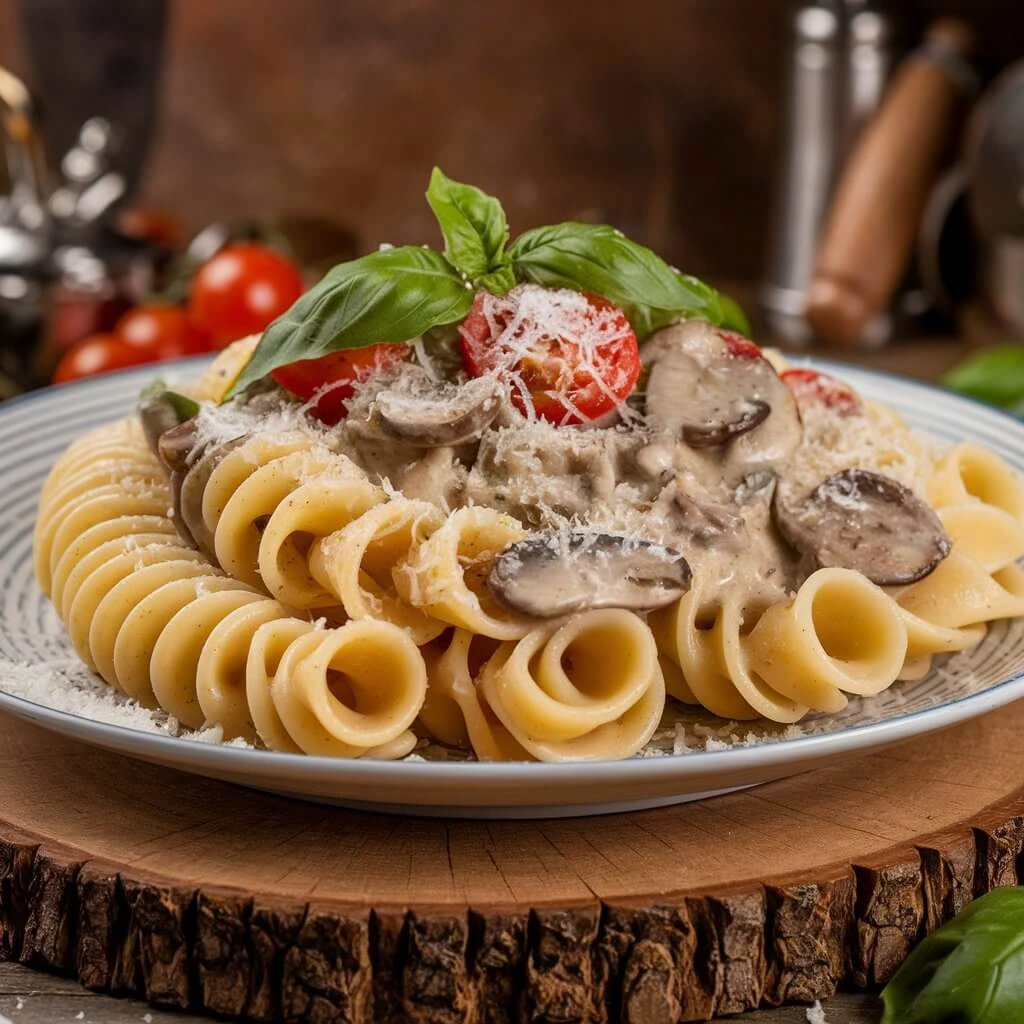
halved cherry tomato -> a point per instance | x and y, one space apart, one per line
331 379
241 290
572 356
811 387
162 332
739 346
100 353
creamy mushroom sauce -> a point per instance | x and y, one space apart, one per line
629 477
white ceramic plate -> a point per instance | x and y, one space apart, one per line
33 432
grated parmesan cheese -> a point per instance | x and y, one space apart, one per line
67 685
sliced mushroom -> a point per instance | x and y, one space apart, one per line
158 414
175 446
172 442
710 386
557 574
861 520
705 523
438 414
754 486
188 504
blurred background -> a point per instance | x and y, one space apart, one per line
699 127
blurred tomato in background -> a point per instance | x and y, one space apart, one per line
239 290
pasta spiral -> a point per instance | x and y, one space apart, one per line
591 688
980 501
336 618
157 621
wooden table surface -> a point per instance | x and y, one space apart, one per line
30 997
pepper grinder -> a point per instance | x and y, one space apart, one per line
841 54
868 240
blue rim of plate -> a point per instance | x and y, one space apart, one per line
891 730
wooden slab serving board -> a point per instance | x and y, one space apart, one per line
199 894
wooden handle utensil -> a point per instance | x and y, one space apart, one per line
869 234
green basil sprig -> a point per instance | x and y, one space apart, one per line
390 295
475 232
401 293
600 259
970 971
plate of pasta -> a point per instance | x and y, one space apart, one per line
494 532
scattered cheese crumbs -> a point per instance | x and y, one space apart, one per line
679 744
20 1004
80 1015
816 1014
148 1018
64 684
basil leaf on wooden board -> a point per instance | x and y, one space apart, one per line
600 259
996 376
474 228
390 295
970 971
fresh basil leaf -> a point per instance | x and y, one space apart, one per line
996 376
473 225
391 295
497 282
731 315
970 971
600 259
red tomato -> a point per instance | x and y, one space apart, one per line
572 356
153 226
739 346
241 290
333 377
162 332
810 387
99 354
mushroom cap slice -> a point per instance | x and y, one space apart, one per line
558 574
174 446
157 414
705 523
710 386
713 433
443 414
189 498
755 486
861 520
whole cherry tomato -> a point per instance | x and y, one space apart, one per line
97 354
241 290
162 332
333 377
572 356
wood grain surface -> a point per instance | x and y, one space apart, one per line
196 895
30 997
